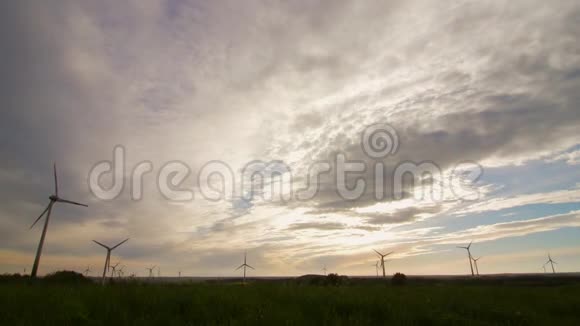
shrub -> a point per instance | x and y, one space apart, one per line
335 279
399 279
66 277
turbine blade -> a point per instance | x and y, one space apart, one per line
41 215
378 253
468 246
100 244
389 253
250 266
55 180
242 265
71 202
120 243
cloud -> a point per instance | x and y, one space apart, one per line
316 226
500 203
298 82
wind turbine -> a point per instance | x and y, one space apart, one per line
244 265
113 269
120 271
383 261
324 270
54 198
551 264
108 259
544 268
469 256
377 267
475 263
88 270
151 271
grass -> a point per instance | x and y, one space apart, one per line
287 303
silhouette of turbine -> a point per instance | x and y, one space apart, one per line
551 262
108 259
244 265
113 269
88 270
383 261
469 256
54 198
475 263
151 271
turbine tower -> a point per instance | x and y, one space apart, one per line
383 261
151 271
544 268
120 272
469 256
551 264
377 267
54 198
108 259
324 270
113 269
475 263
88 270
244 265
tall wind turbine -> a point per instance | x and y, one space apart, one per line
120 271
544 268
551 263
113 269
54 198
151 271
383 261
469 256
377 267
475 263
108 259
244 265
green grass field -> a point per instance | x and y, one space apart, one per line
287 303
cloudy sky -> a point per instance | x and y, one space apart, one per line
184 82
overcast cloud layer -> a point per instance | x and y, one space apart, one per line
494 83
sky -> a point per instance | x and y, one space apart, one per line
200 97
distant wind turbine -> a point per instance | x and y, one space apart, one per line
108 259
324 270
377 263
475 263
469 256
151 271
113 269
551 262
244 265
383 261
53 199
120 271
88 270
544 268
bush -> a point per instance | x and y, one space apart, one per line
66 277
399 279
335 279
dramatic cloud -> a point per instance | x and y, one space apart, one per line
197 82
